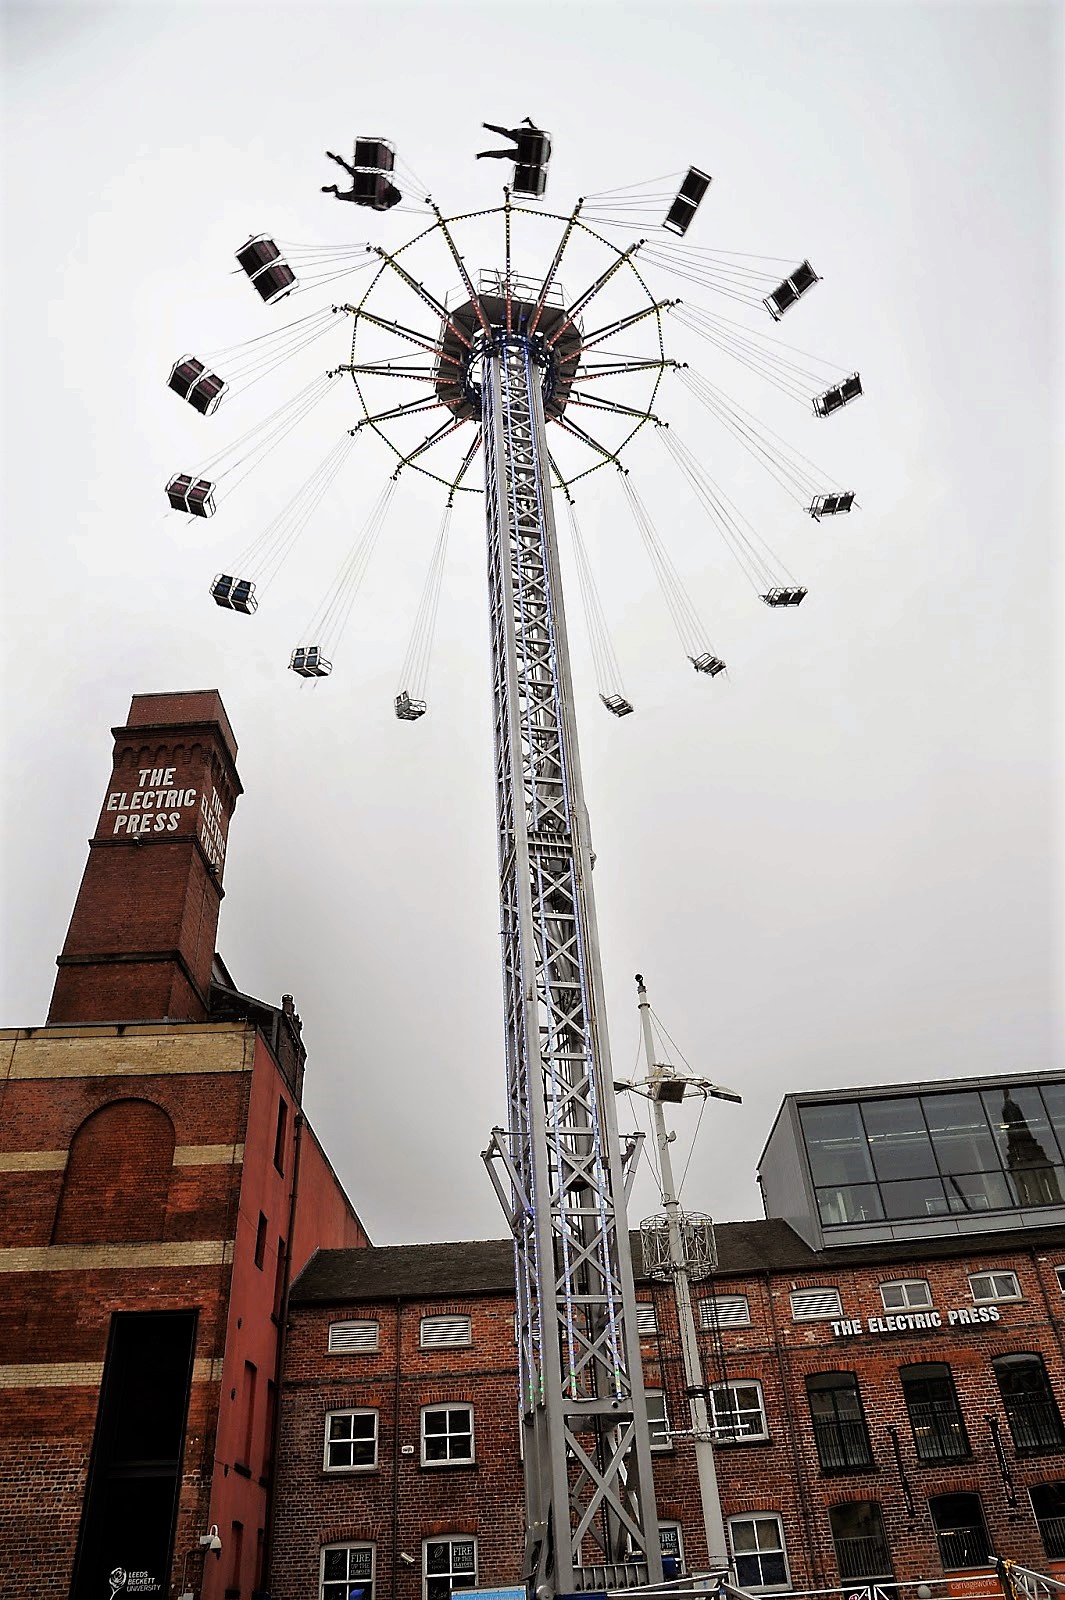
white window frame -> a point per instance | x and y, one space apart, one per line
438 1323
731 1414
449 1461
993 1299
451 1539
1060 1275
829 1315
762 1516
915 1294
662 1437
347 1581
337 1331
360 1466
672 1527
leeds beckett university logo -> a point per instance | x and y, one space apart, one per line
117 1580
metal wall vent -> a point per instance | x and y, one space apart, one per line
445 1331
807 1305
725 1311
352 1338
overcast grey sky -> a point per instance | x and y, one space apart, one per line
841 864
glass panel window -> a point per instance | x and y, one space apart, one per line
959 1523
859 1202
1048 1504
350 1440
447 1435
448 1563
915 1197
758 1548
990 1287
861 1544
737 1411
961 1137
935 1416
671 1541
840 1433
1026 1143
658 1420
979 1191
906 1294
1060 1271
815 1305
898 1138
347 1572
836 1144
1031 1410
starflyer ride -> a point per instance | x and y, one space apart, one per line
517 352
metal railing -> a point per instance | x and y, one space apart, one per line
938 1431
1034 1424
863 1558
964 1547
1052 1533
842 1445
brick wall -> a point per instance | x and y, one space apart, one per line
400 1503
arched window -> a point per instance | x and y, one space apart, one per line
118 1176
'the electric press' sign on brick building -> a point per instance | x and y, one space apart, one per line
906 1321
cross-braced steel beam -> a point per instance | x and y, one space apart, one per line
558 1167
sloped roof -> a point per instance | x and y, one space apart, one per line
486 1266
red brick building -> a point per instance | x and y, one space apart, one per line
888 1408
159 1186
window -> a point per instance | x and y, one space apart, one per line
350 1441
906 1294
646 1319
347 1572
658 1420
1060 1271
900 1156
352 1338
260 1242
737 1412
994 1286
445 1332
815 1305
671 1542
935 1416
1031 1410
725 1311
1048 1504
860 1541
447 1435
959 1523
279 1135
840 1433
758 1547
448 1563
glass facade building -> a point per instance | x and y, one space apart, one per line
969 1155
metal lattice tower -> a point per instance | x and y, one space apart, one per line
591 1520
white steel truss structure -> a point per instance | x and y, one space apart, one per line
558 1168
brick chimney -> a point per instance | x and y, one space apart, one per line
142 935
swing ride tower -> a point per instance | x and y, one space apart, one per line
511 359
557 1168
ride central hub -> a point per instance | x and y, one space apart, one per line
553 340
